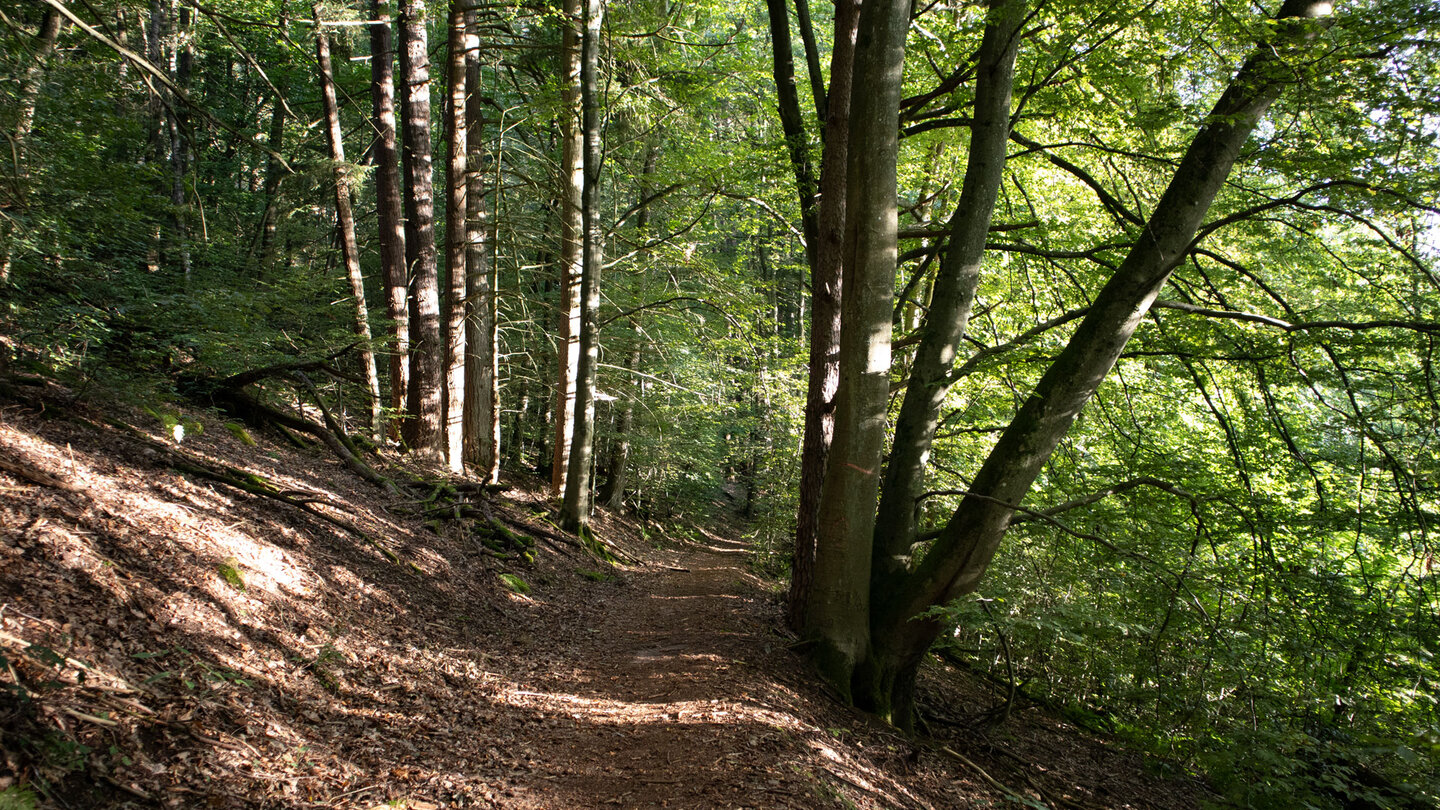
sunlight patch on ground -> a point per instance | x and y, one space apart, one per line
603 711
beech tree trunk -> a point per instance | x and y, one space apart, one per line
386 156
572 189
953 292
345 219
838 604
456 185
825 281
955 564
575 511
425 400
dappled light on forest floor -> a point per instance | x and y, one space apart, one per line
170 641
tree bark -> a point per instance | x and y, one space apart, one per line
424 401
177 128
388 212
612 494
575 511
345 219
960 556
792 123
42 46
270 217
952 295
825 280
482 403
838 607
456 185
572 187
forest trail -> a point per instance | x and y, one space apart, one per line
660 703
172 642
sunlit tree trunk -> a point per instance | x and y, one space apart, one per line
345 219
575 511
956 563
482 402
837 609
953 292
824 338
425 432
456 185
572 185
388 212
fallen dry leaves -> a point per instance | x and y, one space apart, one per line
170 642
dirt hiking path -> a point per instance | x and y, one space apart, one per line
172 642
660 702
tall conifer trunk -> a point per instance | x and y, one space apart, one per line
424 401
455 254
388 211
575 512
345 218
572 189
482 401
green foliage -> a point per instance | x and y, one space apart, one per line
230 572
515 584
18 797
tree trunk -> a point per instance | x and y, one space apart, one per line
612 494
177 128
837 610
43 45
270 217
953 293
572 185
424 401
388 213
959 558
345 219
456 184
575 511
792 122
482 403
825 297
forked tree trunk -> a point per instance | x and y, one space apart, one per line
953 293
456 185
575 511
572 188
825 296
424 401
388 211
960 556
838 605
345 219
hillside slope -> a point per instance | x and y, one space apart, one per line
171 641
